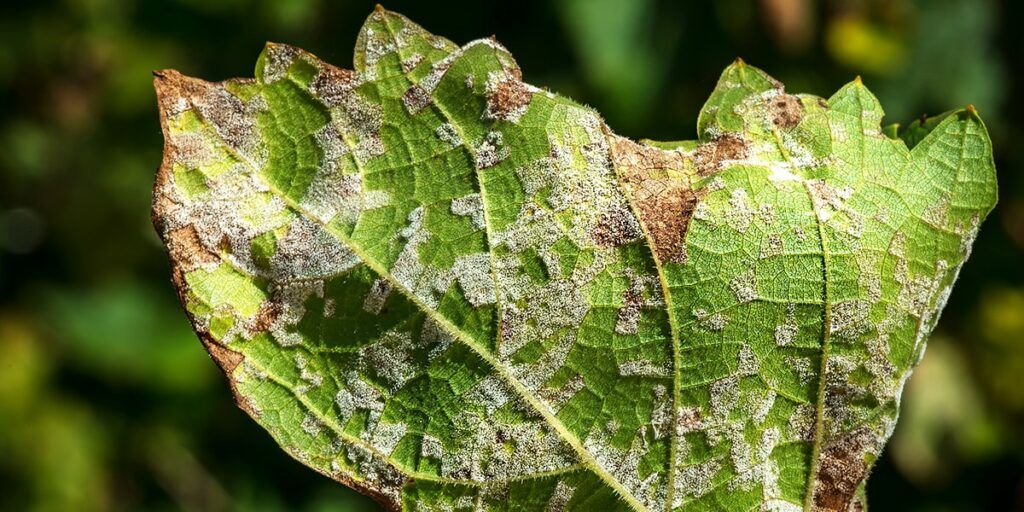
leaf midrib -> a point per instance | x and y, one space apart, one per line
588 460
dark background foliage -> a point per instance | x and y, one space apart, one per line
107 400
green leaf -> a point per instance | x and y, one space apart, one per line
452 290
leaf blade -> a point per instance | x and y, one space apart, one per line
442 285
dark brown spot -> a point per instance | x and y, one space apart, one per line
842 468
712 155
416 98
787 110
664 203
615 227
186 249
629 313
508 328
226 358
265 317
333 85
508 99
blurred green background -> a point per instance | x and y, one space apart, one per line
107 400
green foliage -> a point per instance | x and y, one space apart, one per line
450 289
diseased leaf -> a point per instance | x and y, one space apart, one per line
452 290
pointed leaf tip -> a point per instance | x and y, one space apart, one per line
857 80
379 8
738 62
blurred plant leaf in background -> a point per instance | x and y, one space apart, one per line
105 329
922 55
53 448
997 349
944 420
624 60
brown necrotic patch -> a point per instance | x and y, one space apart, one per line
664 202
266 316
842 468
712 155
186 249
786 110
508 97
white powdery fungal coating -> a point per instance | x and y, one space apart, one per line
767 213
740 213
234 122
772 246
778 505
625 466
416 99
645 368
785 333
695 480
373 199
804 368
392 358
312 425
491 393
473 272
507 97
375 298
368 147
431 447
448 134
388 481
744 287
828 199
470 206
725 393
711 322
410 63
560 497
493 450
277 58
534 375
332 193
763 407
557 272
491 150
802 423
309 377
308 251
214 214
291 302
358 395
661 416
377 46
850 319
557 397
387 435
747 363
